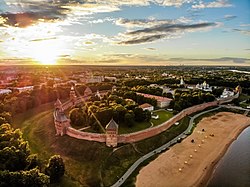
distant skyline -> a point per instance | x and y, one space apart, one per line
125 32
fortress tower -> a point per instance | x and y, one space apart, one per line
87 91
72 95
60 119
111 133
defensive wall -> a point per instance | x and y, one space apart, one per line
140 135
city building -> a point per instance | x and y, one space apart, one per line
5 91
182 81
204 86
147 106
161 101
226 93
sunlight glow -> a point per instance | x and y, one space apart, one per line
45 52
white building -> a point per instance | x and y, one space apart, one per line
94 79
161 101
112 79
226 93
204 86
147 106
182 81
25 88
5 91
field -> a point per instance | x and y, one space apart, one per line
82 158
163 116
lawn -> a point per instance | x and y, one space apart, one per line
82 158
243 97
163 116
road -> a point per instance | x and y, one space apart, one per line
160 149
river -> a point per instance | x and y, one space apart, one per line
233 170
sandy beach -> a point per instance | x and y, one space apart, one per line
191 164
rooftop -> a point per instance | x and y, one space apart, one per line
158 98
112 125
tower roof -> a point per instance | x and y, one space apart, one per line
58 102
112 125
87 90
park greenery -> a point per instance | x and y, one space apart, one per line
18 165
31 163
97 112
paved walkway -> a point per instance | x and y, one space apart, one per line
160 149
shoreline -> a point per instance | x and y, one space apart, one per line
175 168
205 179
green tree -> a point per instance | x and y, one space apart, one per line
139 114
31 178
55 168
129 118
78 117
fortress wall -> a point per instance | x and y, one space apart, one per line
85 135
147 133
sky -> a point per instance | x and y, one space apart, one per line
125 32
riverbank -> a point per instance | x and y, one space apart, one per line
191 164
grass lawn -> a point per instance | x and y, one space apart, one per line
124 129
244 105
243 97
82 158
163 116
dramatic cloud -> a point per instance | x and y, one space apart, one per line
142 22
214 4
164 31
145 23
28 13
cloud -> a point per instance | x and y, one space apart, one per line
245 25
28 13
229 17
164 31
42 39
150 48
213 4
142 22
223 59
24 13
245 32
137 23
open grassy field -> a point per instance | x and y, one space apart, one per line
82 158
163 116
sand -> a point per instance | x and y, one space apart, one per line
191 164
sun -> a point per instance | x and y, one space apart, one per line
46 52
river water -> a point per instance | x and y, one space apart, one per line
233 170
